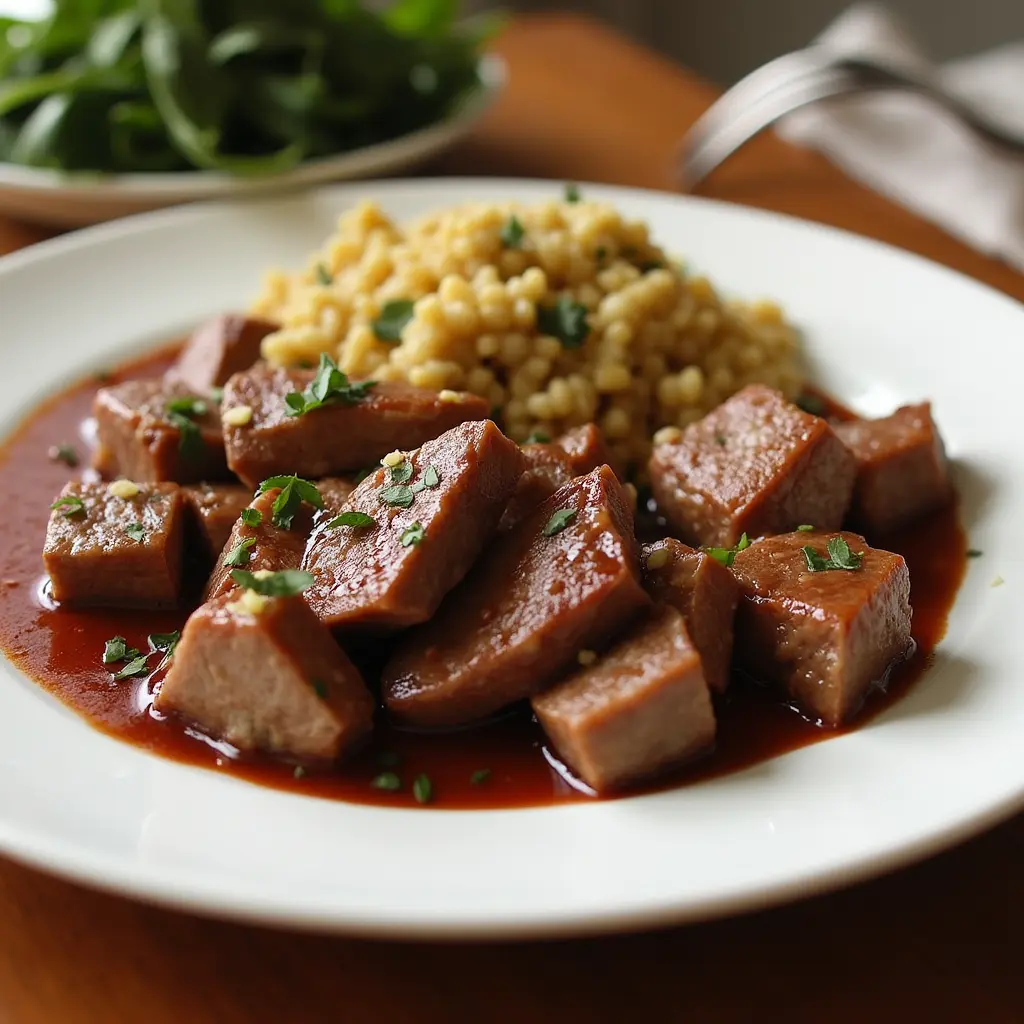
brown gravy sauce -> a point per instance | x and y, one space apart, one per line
61 650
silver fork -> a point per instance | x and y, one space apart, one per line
803 77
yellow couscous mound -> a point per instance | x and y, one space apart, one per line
559 313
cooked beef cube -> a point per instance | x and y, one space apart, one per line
758 465
639 709
335 490
586 448
219 348
901 468
337 437
566 579
705 593
824 637
260 545
264 674
547 468
141 436
448 498
118 545
213 510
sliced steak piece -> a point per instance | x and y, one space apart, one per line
124 552
337 437
142 437
264 674
705 593
639 709
586 448
259 544
758 465
825 637
547 468
219 348
213 510
335 491
565 579
901 468
433 512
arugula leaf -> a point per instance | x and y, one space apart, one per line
358 520
394 315
559 521
566 320
329 385
241 553
286 583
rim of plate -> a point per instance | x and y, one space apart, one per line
491 68
190 890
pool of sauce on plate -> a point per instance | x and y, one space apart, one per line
61 650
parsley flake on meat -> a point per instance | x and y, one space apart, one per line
241 553
422 789
412 535
182 413
357 520
63 453
805 528
566 320
136 531
810 403
398 496
330 385
286 583
388 781
69 505
559 521
839 557
727 555
431 478
252 516
294 491
512 233
394 315
402 472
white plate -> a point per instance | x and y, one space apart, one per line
71 200
882 327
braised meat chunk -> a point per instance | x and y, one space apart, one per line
758 465
219 348
263 674
822 616
212 511
410 531
705 593
586 448
547 468
565 579
118 545
352 430
158 430
637 710
262 541
901 468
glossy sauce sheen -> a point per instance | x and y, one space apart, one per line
61 649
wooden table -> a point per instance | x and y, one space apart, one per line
938 942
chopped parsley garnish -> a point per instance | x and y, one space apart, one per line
216 395
480 776
538 437
387 780
805 528
252 516
357 520
810 403
166 642
422 790
839 557
63 453
566 320
136 531
398 496
299 772
974 553
116 649
323 275
69 505
727 555
402 473
431 478
240 553
181 413
512 233
394 315
559 521
294 491
412 535
135 667
286 583
320 688
572 192
330 385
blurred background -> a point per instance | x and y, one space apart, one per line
725 39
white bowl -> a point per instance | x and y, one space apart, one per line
72 200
